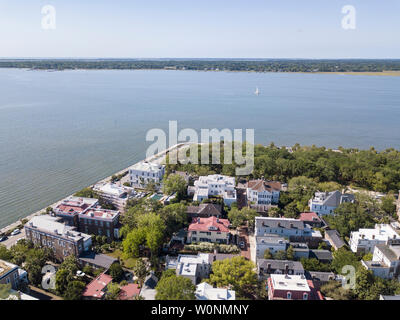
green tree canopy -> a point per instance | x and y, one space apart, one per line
175 183
174 217
149 231
237 273
174 287
113 291
74 290
349 217
343 257
140 270
116 272
239 217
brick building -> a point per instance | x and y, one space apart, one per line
9 274
64 240
87 216
292 287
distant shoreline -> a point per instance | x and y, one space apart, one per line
382 73
351 73
341 66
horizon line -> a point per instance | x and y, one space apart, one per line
186 58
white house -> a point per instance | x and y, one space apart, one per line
365 240
326 202
262 192
193 267
385 261
273 243
204 291
115 194
215 185
142 173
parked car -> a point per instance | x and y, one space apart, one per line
15 232
242 244
80 273
3 238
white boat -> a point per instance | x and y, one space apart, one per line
257 92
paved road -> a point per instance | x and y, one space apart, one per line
252 243
243 236
241 198
13 239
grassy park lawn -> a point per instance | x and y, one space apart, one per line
127 263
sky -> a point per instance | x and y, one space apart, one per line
199 29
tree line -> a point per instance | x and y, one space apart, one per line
256 65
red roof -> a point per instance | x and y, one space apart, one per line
96 288
317 295
100 213
129 291
209 224
72 207
309 216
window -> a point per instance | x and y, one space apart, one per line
289 295
305 296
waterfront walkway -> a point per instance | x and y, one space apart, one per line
159 157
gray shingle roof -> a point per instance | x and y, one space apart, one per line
207 209
385 249
219 256
321 254
320 276
99 260
280 223
334 198
335 238
280 264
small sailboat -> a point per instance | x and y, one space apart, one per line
257 92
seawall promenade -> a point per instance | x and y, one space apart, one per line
157 157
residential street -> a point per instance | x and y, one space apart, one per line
13 239
243 236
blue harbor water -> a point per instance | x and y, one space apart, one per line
61 131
